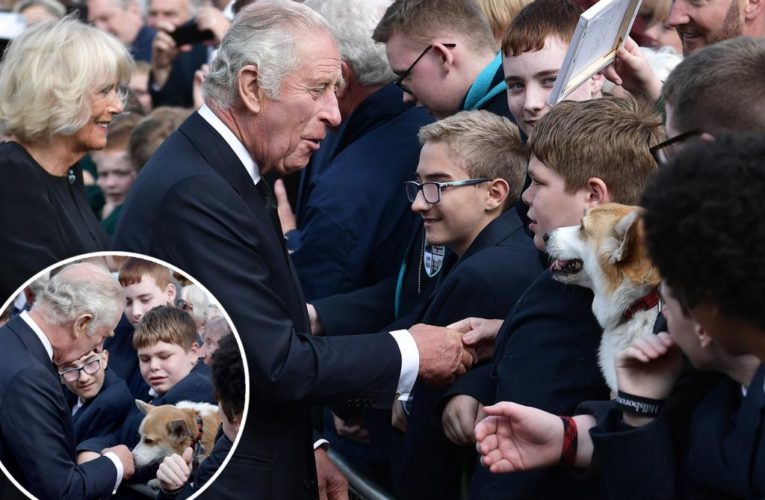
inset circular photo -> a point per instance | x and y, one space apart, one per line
120 375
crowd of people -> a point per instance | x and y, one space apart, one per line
367 187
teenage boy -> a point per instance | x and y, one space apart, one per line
469 177
583 154
165 341
533 50
99 400
146 285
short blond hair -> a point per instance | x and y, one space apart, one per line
485 145
608 138
49 73
501 13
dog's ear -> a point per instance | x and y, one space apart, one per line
627 234
178 429
144 407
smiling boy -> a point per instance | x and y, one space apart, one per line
98 398
533 50
147 285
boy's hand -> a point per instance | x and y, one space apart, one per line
631 70
174 471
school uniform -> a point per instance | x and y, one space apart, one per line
105 412
485 282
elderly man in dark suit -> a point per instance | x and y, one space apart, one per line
74 313
200 203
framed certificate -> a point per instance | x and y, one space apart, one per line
601 31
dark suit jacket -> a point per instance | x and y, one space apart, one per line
37 443
357 218
195 205
486 282
546 357
104 413
725 457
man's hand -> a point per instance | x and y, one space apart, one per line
631 70
351 428
286 216
163 53
479 333
125 456
515 437
459 418
174 471
313 318
211 18
332 483
443 357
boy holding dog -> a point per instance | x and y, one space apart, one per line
165 341
583 154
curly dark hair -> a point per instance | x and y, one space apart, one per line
228 377
704 225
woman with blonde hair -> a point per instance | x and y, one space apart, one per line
59 91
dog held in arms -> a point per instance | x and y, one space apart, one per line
606 253
169 429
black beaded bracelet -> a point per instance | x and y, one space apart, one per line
637 405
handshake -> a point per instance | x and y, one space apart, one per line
448 352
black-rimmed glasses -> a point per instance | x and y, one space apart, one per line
400 80
90 367
431 191
664 151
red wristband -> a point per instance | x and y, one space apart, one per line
570 442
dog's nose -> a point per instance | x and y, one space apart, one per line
546 237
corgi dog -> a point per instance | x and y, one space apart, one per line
606 253
169 429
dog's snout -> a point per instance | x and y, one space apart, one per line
546 237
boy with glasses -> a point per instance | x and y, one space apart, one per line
99 399
470 175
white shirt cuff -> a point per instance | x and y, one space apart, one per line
410 363
321 443
120 471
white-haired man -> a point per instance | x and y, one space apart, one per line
76 311
201 203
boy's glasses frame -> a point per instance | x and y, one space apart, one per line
663 151
400 80
90 367
431 191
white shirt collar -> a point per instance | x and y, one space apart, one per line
40 334
153 393
241 152
79 404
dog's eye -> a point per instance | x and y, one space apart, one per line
148 441
581 227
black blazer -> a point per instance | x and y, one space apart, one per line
195 205
546 357
104 413
486 282
37 443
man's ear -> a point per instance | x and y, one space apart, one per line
497 194
597 192
249 89
81 324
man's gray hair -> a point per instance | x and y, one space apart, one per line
81 289
218 326
264 34
353 22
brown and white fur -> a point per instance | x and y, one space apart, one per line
606 253
169 429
